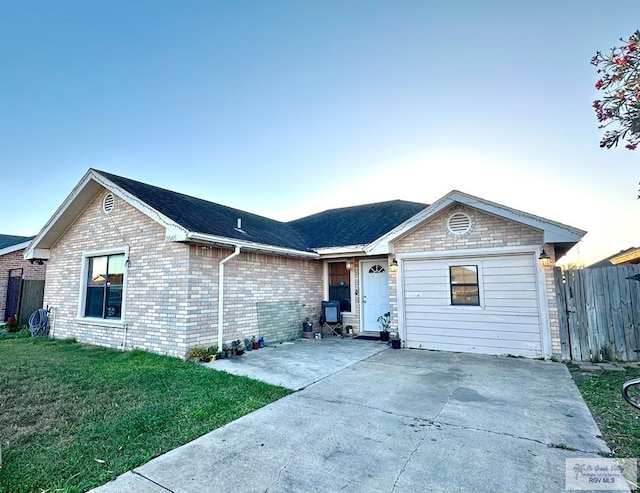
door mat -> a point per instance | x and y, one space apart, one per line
368 338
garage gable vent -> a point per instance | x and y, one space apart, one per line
108 202
459 223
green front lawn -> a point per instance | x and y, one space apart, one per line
618 421
74 416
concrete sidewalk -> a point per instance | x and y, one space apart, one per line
296 365
397 421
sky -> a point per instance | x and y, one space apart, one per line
287 108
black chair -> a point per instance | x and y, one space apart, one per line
331 318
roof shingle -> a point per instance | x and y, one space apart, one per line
345 226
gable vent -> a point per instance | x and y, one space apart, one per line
459 223
108 202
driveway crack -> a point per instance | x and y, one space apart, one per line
151 481
518 437
431 422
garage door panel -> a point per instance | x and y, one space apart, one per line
507 280
431 325
497 342
465 346
499 261
513 303
508 320
419 312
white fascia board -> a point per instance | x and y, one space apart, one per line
553 232
78 200
471 252
14 248
173 230
341 251
249 245
60 220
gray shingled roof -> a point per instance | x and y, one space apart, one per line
356 225
337 227
10 240
201 216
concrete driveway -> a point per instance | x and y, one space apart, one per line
387 420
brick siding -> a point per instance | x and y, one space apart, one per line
171 289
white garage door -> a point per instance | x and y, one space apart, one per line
501 315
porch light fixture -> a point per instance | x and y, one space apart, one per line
349 264
393 266
544 259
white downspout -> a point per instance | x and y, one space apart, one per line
221 294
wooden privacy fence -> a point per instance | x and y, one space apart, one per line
599 313
31 297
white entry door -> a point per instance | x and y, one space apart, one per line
374 293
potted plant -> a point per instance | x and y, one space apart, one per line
238 347
226 350
395 340
212 351
248 346
255 344
309 315
384 321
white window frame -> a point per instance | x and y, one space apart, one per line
459 263
84 272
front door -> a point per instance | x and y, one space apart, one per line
375 293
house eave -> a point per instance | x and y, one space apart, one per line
552 231
91 184
224 242
342 251
14 248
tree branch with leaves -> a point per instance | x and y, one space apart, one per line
619 110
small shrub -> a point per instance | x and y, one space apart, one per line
201 353
196 353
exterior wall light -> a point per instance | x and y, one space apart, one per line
349 264
544 259
393 266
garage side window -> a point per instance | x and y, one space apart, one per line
104 285
464 285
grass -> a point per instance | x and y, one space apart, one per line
618 421
74 416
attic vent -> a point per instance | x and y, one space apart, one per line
459 223
107 203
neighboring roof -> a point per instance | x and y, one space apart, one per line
201 216
357 225
628 256
11 243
